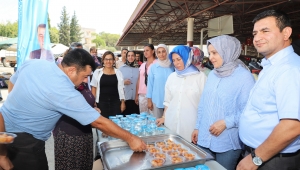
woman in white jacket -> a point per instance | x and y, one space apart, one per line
108 87
183 90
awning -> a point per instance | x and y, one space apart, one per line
9 44
165 21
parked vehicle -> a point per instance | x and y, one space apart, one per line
8 58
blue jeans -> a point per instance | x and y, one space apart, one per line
227 159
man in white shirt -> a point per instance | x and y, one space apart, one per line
269 126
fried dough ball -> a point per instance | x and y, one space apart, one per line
157 162
189 156
160 156
176 159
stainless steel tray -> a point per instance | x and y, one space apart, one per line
117 155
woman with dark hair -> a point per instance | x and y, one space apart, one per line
108 87
141 86
157 78
130 72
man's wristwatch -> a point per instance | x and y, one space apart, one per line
256 160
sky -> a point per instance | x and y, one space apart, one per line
103 15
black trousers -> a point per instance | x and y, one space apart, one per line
110 107
290 161
131 107
27 152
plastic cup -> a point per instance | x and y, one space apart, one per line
160 130
153 150
176 159
182 150
160 144
144 114
189 156
160 156
166 148
119 116
124 118
155 162
112 117
202 167
173 153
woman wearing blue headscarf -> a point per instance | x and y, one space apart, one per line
223 100
182 92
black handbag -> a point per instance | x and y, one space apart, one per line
146 75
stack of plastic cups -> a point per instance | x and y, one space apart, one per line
118 122
127 125
151 126
138 126
144 125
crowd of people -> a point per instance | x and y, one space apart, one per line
244 124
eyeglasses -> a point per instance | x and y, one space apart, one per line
108 59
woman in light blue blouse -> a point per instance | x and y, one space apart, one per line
223 99
158 75
130 72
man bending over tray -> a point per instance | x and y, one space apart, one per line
40 93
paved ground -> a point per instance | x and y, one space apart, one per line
49 142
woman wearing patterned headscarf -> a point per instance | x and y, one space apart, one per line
223 100
182 93
158 75
130 72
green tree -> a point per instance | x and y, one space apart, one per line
49 25
112 49
110 39
75 34
64 28
9 29
54 35
99 41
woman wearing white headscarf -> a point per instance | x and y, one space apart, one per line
182 92
158 75
130 72
223 100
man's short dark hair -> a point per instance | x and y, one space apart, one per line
41 26
124 49
78 58
282 19
75 45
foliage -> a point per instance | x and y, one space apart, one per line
106 41
98 41
112 49
54 35
64 28
110 39
9 29
49 25
75 34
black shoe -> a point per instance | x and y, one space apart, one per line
1 98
